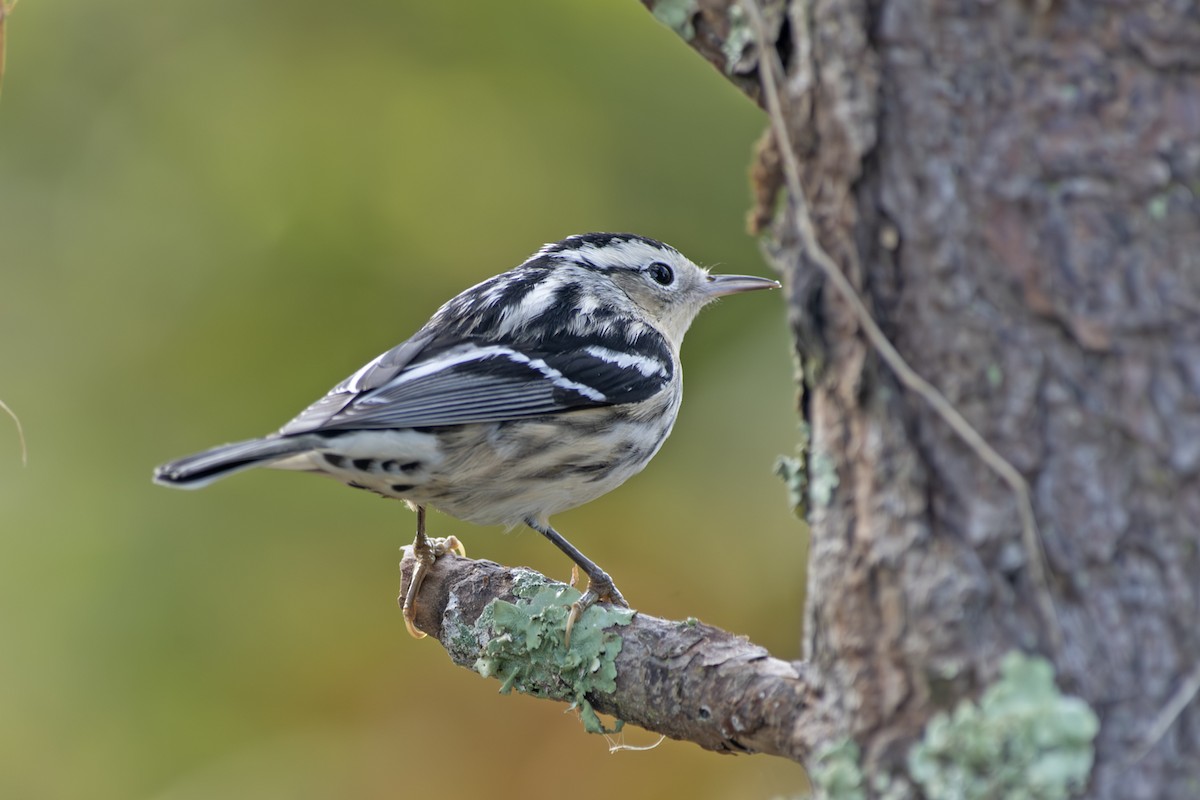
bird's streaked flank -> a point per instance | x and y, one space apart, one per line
531 393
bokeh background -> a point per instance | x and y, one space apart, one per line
210 213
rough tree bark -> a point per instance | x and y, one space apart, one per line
1014 189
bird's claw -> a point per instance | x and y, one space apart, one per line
600 589
425 552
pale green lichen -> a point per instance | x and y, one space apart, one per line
1024 740
888 787
995 375
835 773
676 15
460 639
822 479
791 469
524 646
1157 207
740 36
795 477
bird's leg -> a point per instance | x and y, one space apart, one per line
426 552
600 586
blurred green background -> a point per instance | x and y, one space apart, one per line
209 214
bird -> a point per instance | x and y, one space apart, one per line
529 394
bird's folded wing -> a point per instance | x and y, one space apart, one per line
480 382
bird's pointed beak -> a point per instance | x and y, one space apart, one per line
719 285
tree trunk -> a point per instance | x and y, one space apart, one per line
1013 189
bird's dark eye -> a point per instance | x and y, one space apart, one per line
661 273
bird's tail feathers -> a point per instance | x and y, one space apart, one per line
201 469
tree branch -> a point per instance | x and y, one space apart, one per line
685 679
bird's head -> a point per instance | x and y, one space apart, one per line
667 287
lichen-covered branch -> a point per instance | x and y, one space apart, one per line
684 679
718 31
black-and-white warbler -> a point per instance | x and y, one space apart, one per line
531 393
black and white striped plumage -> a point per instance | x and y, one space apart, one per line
531 393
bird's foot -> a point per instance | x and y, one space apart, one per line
426 552
600 589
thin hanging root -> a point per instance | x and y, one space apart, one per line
4 407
